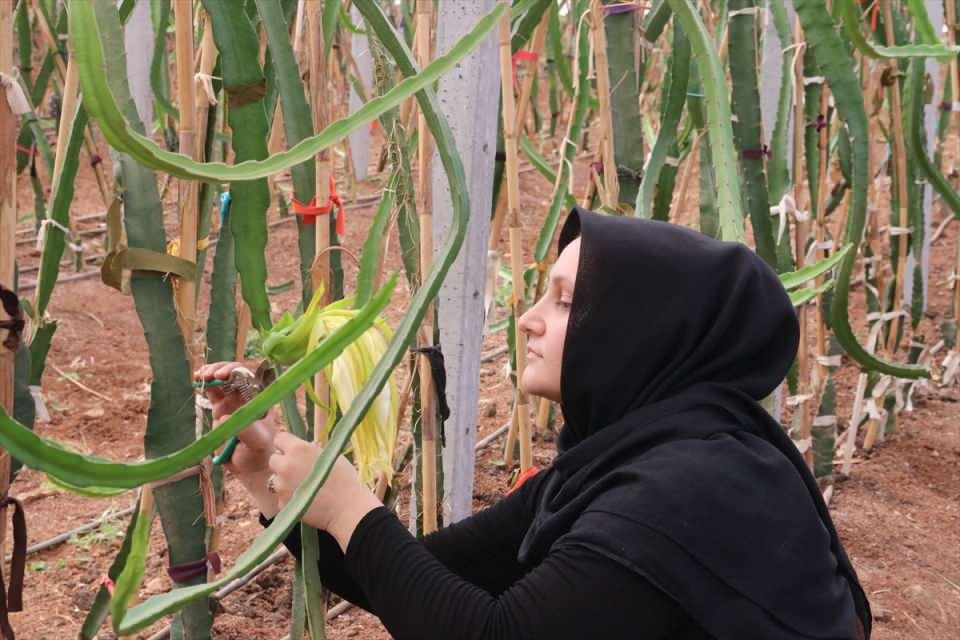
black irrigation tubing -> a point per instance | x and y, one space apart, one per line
63 537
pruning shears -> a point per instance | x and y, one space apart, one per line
248 384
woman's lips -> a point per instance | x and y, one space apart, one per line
531 352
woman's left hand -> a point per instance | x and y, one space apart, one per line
342 500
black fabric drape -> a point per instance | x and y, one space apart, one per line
667 463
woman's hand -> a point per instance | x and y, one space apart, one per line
340 503
250 457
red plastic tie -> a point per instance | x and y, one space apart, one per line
523 477
763 152
308 212
108 582
31 151
820 123
523 55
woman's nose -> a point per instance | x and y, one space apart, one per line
530 322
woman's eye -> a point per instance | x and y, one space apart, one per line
563 303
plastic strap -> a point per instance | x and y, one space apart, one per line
206 486
308 212
188 570
525 55
244 94
16 99
748 11
121 257
205 81
12 600
16 323
621 7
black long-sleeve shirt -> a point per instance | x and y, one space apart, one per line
464 582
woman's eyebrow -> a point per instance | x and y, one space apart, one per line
559 278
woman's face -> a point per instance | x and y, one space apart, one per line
545 324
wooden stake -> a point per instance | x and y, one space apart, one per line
611 188
428 438
531 68
801 231
319 102
510 139
8 222
185 290
819 234
900 157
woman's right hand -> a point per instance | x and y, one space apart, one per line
253 452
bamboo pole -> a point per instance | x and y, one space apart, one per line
510 133
185 290
801 231
820 224
320 270
423 44
531 68
610 193
8 222
900 157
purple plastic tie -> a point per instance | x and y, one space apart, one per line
620 7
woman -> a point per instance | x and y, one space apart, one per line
676 507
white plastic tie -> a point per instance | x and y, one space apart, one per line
900 231
205 80
873 410
16 99
829 361
36 392
797 400
76 247
881 387
889 315
813 80
670 161
825 421
787 206
747 11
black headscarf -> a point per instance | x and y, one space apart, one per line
666 462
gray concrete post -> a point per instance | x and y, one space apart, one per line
469 98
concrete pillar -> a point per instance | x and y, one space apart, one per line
930 112
138 41
469 98
360 139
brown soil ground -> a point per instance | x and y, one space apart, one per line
898 513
